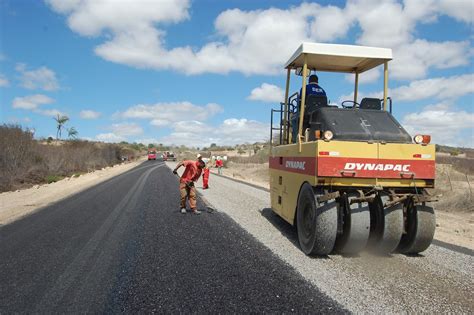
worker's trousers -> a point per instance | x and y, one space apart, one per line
190 193
205 179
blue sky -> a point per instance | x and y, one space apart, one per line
209 71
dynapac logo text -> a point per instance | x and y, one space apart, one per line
377 167
299 165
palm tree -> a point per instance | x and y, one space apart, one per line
72 133
60 120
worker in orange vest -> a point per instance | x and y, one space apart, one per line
187 190
205 175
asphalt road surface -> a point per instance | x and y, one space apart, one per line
123 246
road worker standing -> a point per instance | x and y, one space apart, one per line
219 165
205 175
191 173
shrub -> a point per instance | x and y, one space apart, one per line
463 165
259 158
24 161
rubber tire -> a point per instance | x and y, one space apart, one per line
386 225
356 226
316 225
420 229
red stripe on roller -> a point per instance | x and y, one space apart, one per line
300 165
375 168
329 166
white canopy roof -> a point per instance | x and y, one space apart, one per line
339 58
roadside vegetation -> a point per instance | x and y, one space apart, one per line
25 161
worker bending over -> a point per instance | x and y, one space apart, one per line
191 173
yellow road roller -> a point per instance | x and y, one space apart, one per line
348 175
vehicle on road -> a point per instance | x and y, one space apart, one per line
152 154
169 156
349 176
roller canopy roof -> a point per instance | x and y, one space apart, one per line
339 58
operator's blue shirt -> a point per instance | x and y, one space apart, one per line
313 89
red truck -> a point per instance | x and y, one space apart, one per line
151 154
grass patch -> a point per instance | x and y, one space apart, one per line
53 178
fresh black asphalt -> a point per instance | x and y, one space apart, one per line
123 247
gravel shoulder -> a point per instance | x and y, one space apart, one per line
17 204
439 280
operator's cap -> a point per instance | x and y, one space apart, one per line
199 156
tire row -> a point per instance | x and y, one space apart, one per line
347 225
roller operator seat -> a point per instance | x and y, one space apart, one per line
312 103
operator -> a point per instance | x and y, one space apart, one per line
191 173
312 88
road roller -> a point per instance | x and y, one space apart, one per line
348 175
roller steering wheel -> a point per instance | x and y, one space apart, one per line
354 104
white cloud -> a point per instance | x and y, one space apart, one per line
126 129
267 93
441 88
89 114
365 77
50 112
31 102
461 10
18 120
91 17
195 133
193 125
147 141
165 114
120 132
109 137
244 130
4 81
413 60
260 41
442 123
383 23
230 132
330 23
38 79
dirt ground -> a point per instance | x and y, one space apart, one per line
454 211
16 204
253 173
